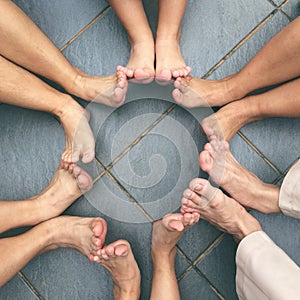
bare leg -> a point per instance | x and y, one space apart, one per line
85 235
169 60
241 184
132 15
118 259
25 44
278 61
283 101
63 190
165 235
223 212
21 88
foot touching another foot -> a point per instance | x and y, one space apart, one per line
85 235
118 259
65 187
79 137
140 66
167 232
230 118
240 183
109 90
169 61
223 212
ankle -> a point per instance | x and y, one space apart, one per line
246 225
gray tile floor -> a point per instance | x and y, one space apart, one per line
143 183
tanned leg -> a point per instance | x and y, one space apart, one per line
25 44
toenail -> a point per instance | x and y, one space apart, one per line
198 187
188 194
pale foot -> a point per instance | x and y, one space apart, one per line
225 123
85 235
64 188
79 137
223 212
118 259
240 183
109 90
195 92
140 66
169 61
167 232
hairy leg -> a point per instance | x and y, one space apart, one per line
25 44
169 60
21 88
65 187
223 212
282 101
118 259
217 160
85 235
278 61
165 235
132 16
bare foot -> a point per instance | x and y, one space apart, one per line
109 90
225 123
223 212
141 62
195 92
85 235
79 137
169 61
167 232
118 259
62 191
241 184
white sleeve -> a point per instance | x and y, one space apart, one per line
264 271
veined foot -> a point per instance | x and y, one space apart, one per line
195 92
169 61
223 212
118 259
109 90
85 235
240 183
79 137
65 187
140 66
225 123
166 233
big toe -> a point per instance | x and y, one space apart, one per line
205 161
204 189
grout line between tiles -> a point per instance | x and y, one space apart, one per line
275 169
140 137
244 40
285 172
124 190
86 27
30 286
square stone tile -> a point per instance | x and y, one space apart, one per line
33 141
219 267
283 230
249 159
244 54
211 28
192 286
116 129
101 48
158 169
197 239
277 139
16 289
61 20
292 9
66 274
